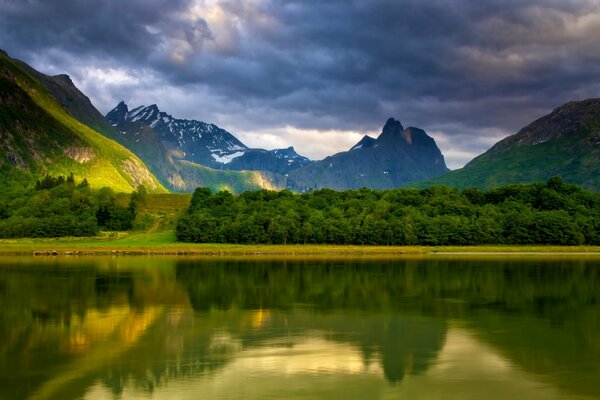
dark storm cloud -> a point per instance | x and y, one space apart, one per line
461 68
114 28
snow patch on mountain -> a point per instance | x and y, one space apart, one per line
227 158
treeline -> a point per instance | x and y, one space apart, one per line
552 213
60 206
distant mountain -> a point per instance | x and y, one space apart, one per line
280 161
398 156
39 135
564 143
200 142
185 154
365 143
48 126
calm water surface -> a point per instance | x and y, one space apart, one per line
300 328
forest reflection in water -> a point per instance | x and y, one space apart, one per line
423 327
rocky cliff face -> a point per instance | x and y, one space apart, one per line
398 156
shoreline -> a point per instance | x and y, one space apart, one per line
164 244
286 250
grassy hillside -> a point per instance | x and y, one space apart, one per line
564 143
527 164
39 137
159 212
196 175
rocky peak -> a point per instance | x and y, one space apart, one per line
391 130
200 142
122 106
286 152
392 125
364 143
117 114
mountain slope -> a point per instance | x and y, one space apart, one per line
166 156
564 143
38 136
198 142
164 162
396 157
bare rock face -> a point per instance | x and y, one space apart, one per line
80 154
138 173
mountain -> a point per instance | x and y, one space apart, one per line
39 136
200 142
564 143
174 149
364 143
280 161
398 156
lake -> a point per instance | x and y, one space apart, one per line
422 327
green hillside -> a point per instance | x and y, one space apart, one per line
565 143
39 137
196 175
527 164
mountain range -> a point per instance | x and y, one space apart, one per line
396 157
48 126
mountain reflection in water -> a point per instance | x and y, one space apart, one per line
427 327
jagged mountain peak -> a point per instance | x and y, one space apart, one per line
392 125
288 151
391 132
117 114
198 141
398 156
364 143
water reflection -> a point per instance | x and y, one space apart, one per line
259 328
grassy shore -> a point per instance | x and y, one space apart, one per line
160 243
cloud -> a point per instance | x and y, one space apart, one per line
281 71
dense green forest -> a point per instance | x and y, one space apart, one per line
59 206
550 213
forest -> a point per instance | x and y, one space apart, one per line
60 206
554 212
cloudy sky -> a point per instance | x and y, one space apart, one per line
318 74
